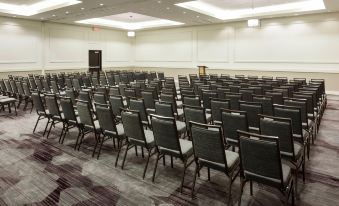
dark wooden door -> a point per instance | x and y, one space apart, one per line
95 61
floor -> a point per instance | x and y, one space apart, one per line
39 171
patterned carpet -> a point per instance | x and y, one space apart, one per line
39 171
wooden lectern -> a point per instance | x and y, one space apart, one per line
202 70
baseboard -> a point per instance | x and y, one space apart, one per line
332 92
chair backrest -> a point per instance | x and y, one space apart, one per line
133 126
117 104
55 87
76 84
232 121
114 91
290 112
247 94
281 128
84 96
234 99
208 145
27 91
309 99
170 99
206 98
260 150
85 114
148 99
52 105
216 106
106 118
68 109
71 94
196 114
95 82
130 93
301 103
221 92
191 100
277 97
166 134
37 102
100 98
14 87
20 88
252 109
139 105
32 83
164 109
267 104
45 85
122 89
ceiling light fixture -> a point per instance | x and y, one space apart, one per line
131 26
36 8
253 23
225 14
131 34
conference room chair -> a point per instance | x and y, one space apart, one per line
56 115
234 99
136 135
28 96
307 123
211 153
216 106
166 109
232 121
41 111
117 103
149 100
70 119
290 150
109 127
88 124
267 103
252 109
206 99
294 113
191 100
139 105
168 142
254 150
277 97
247 94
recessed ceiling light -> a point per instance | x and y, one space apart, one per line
216 11
101 4
53 15
253 23
198 16
131 34
159 2
184 12
82 8
67 12
35 8
168 8
42 18
14 16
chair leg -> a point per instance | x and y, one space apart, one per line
79 135
171 161
102 142
251 187
183 176
97 140
62 131
242 184
50 128
123 162
194 179
36 124
136 150
81 139
149 156
65 133
155 166
303 168
208 174
46 127
230 191
119 150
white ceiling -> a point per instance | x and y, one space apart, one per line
162 9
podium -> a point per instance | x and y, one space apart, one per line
202 70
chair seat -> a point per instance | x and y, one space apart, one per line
186 147
232 159
298 148
149 136
309 123
180 113
181 126
150 111
7 100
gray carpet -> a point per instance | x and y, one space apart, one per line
39 171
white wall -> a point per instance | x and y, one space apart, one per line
31 45
301 43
